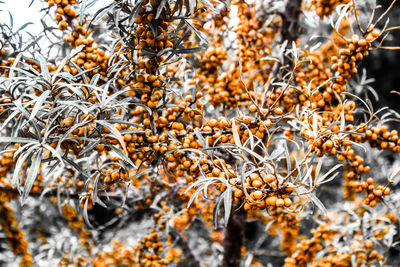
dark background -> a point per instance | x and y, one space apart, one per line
384 65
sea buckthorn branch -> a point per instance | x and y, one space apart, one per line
15 237
119 119
234 239
324 8
363 245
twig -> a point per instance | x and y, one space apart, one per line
234 239
289 31
185 246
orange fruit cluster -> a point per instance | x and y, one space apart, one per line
224 121
373 193
345 64
15 237
324 8
253 37
65 13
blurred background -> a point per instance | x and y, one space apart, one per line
384 65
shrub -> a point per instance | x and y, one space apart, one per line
190 133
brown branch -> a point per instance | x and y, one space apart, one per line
290 30
234 239
194 262
290 22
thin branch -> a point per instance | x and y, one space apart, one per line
384 14
234 239
194 261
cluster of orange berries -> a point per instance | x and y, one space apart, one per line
327 144
212 23
364 251
253 37
65 13
6 165
221 19
189 109
193 107
378 137
7 162
159 217
336 259
355 161
373 193
289 224
120 255
143 83
349 176
199 208
149 44
387 220
382 138
317 72
113 176
211 62
5 63
150 37
185 123
91 57
366 256
265 191
2 57
149 251
155 98
141 142
306 250
14 235
228 91
346 64
77 223
324 8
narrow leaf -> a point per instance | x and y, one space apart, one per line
33 173
39 103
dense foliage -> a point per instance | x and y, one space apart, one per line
198 133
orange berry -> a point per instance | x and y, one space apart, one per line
288 202
362 42
278 111
257 194
378 193
253 108
269 178
272 201
238 193
257 183
280 202
386 191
